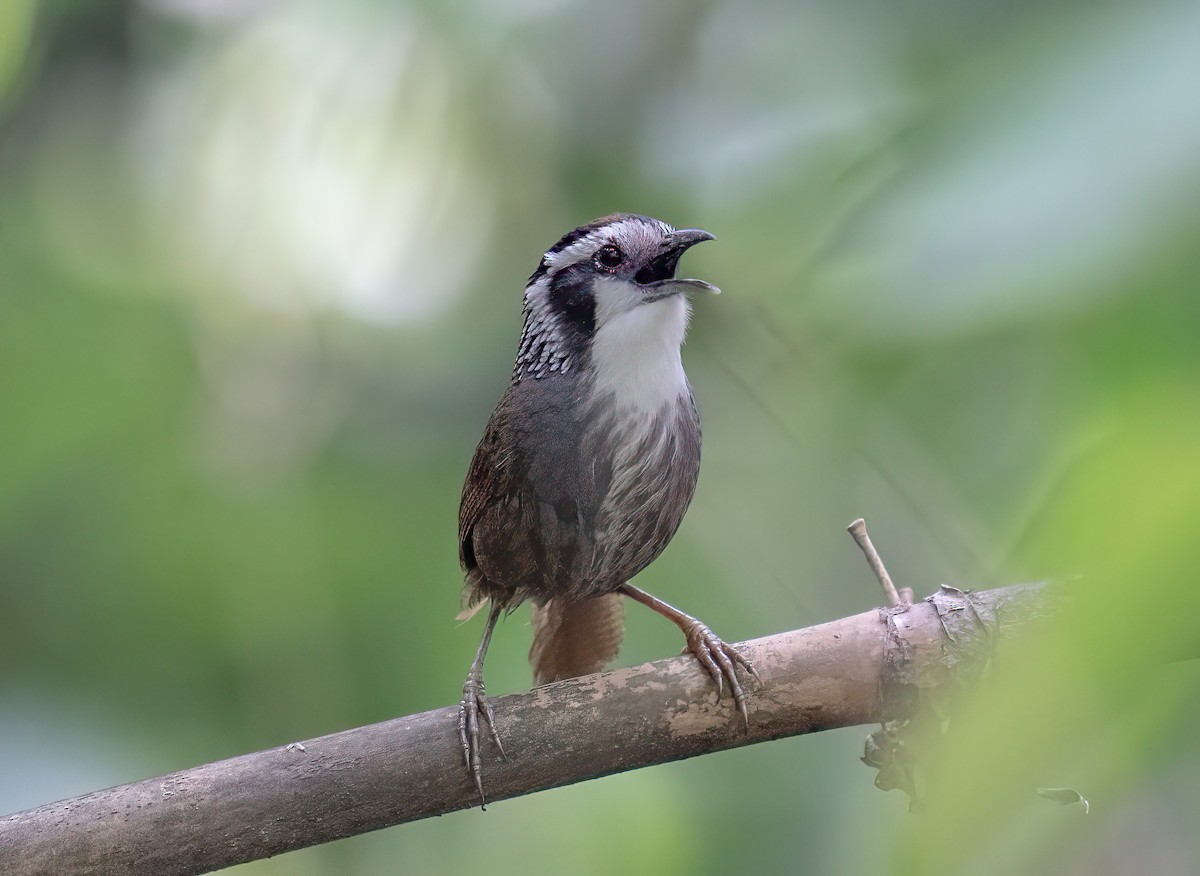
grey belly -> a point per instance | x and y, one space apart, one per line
651 468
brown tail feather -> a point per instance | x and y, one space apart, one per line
575 638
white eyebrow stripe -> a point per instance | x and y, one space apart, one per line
622 232
576 252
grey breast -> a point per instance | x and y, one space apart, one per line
647 467
594 496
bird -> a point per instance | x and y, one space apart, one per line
588 462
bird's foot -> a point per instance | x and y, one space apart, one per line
473 707
720 660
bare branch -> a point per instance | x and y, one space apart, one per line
858 531
850 671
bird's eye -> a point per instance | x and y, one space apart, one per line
609 257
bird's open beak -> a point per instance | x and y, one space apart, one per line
658 279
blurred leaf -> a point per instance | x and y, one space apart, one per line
261 269
1065 796
16 31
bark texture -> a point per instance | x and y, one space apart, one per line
863 669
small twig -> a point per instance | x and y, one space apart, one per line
858 530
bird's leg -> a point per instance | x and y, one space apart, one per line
474 704
717 658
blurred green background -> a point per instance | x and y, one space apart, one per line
260 277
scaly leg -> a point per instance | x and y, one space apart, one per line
474 704
718 658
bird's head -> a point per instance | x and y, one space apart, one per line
597 276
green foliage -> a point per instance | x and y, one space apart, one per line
16 25
260 273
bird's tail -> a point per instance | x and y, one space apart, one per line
575 638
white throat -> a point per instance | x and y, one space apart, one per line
635 354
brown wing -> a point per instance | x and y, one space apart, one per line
501 538
490 479
526 520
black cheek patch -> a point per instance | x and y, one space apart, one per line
571 296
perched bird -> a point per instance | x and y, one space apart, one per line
589 461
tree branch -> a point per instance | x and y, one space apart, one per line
859 670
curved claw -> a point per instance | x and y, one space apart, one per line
720 661
474 705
